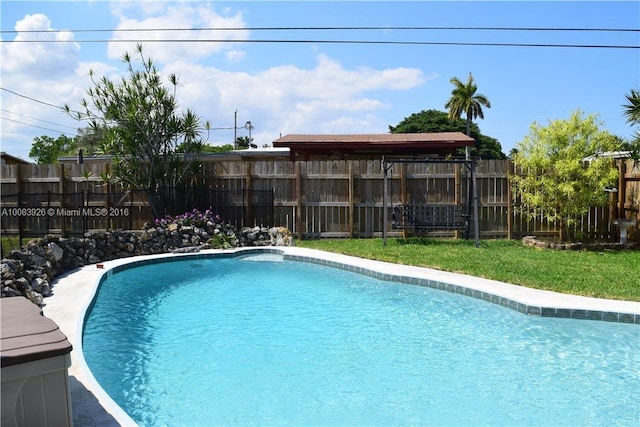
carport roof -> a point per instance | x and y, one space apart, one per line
369 145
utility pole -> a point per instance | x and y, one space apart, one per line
235 127
249 126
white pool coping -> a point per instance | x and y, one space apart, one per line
73 294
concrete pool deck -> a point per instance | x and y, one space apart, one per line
74 291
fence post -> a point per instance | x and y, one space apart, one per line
18 188
85 206
20 221
272 209
249 202
298 219
474 186
385 196
107 183
456 191
509 201
132 195
61 191
48 206
351 204
622 187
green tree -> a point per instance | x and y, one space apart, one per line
204 148
465 100
243 143
144 128
46 150
92 140
552 178
436 121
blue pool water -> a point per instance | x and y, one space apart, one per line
228 341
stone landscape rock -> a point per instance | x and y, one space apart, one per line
577 246
29 271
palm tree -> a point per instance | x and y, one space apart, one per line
632 109
632 113
464 99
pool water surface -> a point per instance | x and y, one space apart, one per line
255 341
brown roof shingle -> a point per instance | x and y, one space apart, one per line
443 143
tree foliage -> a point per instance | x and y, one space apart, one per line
92 140
243 143
632 108
552 178
436 121
144 127
632 114
466 100
204 148
46 150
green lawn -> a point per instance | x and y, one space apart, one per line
608 274
9 243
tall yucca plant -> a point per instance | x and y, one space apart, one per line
144 128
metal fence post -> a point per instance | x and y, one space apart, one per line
20 223
48 206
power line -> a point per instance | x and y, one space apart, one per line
346 28
46 103
35 126
33 118
31 125
349 28
311 41
33 99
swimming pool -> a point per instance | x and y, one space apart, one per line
266 345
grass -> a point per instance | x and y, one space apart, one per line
608 274
9 243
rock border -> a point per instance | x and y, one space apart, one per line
29 271
534 241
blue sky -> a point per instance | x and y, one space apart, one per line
316 87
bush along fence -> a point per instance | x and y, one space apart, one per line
319 198
29 271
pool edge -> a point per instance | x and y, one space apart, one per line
74 294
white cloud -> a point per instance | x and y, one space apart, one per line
235 55
42 76
99 69
192 19
324 97
290 99
126 8
47 55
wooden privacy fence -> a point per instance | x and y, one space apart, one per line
319 198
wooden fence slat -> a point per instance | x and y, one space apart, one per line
333 197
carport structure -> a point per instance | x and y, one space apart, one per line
390 148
